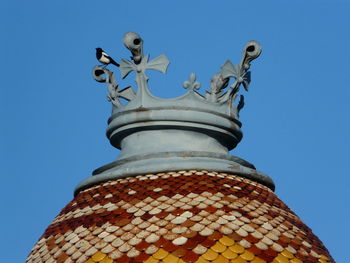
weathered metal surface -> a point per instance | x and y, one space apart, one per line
193 131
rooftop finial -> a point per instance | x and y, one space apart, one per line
140 63
193 131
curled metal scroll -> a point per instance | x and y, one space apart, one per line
239 72
251 50
134 43
102 74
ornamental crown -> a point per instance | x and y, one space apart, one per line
220 99
217 94
193 131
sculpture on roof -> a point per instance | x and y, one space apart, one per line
156 134
139 63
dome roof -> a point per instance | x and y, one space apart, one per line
184 216
175 194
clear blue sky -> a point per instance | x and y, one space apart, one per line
53 114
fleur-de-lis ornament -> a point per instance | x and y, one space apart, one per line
192 84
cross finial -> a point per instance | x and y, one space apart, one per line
160 63
140 63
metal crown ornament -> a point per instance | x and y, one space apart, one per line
193 131
140 63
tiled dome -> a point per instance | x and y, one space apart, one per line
185 216
175 194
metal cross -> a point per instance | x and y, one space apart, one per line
159 63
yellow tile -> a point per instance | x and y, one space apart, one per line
160 254
227 241
229 254
200 260
324 257
237 249
287 254
218 247
170 259
238 260
321 260
247 255
107 260
98 256
181 261
281 259
258 260
296 260
89 261
210 255
151 260
221 259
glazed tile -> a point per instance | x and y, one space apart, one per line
193 216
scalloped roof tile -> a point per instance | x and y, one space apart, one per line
185 216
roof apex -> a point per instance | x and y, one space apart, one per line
193 131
